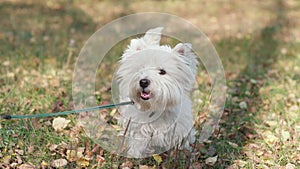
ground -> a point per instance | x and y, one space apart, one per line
258 43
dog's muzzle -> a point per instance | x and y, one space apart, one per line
145 92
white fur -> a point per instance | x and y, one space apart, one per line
164 120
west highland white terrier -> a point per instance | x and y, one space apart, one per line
158 79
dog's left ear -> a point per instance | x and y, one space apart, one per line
186 52
183 49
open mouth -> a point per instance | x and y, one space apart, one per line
145 95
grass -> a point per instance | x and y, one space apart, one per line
39 42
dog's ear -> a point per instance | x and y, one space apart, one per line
153 36
183 49
186 52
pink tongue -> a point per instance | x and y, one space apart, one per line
145 95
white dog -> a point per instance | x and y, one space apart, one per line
158 79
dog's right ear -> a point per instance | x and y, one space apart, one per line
153 36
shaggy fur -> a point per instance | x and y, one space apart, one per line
158 79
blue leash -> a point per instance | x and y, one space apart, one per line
9 117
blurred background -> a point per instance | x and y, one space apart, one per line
258 43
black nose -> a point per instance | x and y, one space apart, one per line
144 83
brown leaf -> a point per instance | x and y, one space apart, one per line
196 165
100 159
96 149
30 149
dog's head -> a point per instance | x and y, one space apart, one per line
155 76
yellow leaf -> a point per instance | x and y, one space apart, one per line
157 158
45 164
113 112
83 162
6 63
6 159
270 138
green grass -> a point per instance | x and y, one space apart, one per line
262 70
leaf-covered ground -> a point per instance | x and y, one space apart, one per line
258 43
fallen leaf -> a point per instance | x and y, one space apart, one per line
270 123
290 166
21 152
53 147
240 163
59 163
96 148
6 159
30 149
26 166
60 123
243 105
63 145
71 155
211 160
44 163
100 159
196 165
144 167
19 159
6 63
113 112
259 152
13 165
270 138
83 162
128 164
285 135
253 81
233 144
157 158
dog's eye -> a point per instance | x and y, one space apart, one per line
162 72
